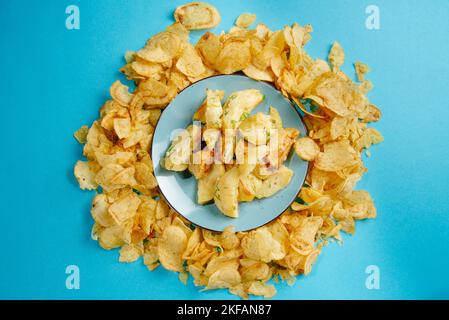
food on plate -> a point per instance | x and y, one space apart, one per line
250 142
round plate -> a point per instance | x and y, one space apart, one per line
180 189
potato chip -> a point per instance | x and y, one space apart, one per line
99 211
303 109
162 47
197 15
303 237
260 245
361 69
147 69
229 240
306 149
120 93
336 156
254 270
122 127
190 63
336 56
111 237
171 247
224 278
85 175
331 92
258 288
81 134
245 20
234 56
130 253
180 30
257 74
209 47
124 208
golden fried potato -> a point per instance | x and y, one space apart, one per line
239 105
207 184
197 15
274 183
226 193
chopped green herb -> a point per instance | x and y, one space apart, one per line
244 116
218 249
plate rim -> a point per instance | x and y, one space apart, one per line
170 104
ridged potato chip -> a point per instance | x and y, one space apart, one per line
336 156
306 149
234 56
336 56
85 175
190 63
81 134
161 48
361 70
209 47
120 93
261 246
245 20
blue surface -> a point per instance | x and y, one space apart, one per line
181 193
54 80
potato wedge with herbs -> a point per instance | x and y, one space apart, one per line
214 109
178 154
274 183
206 185
239 105
248 185
227 192
201 163
256 129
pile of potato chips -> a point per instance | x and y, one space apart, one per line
127 209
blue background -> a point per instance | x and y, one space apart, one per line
54 80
